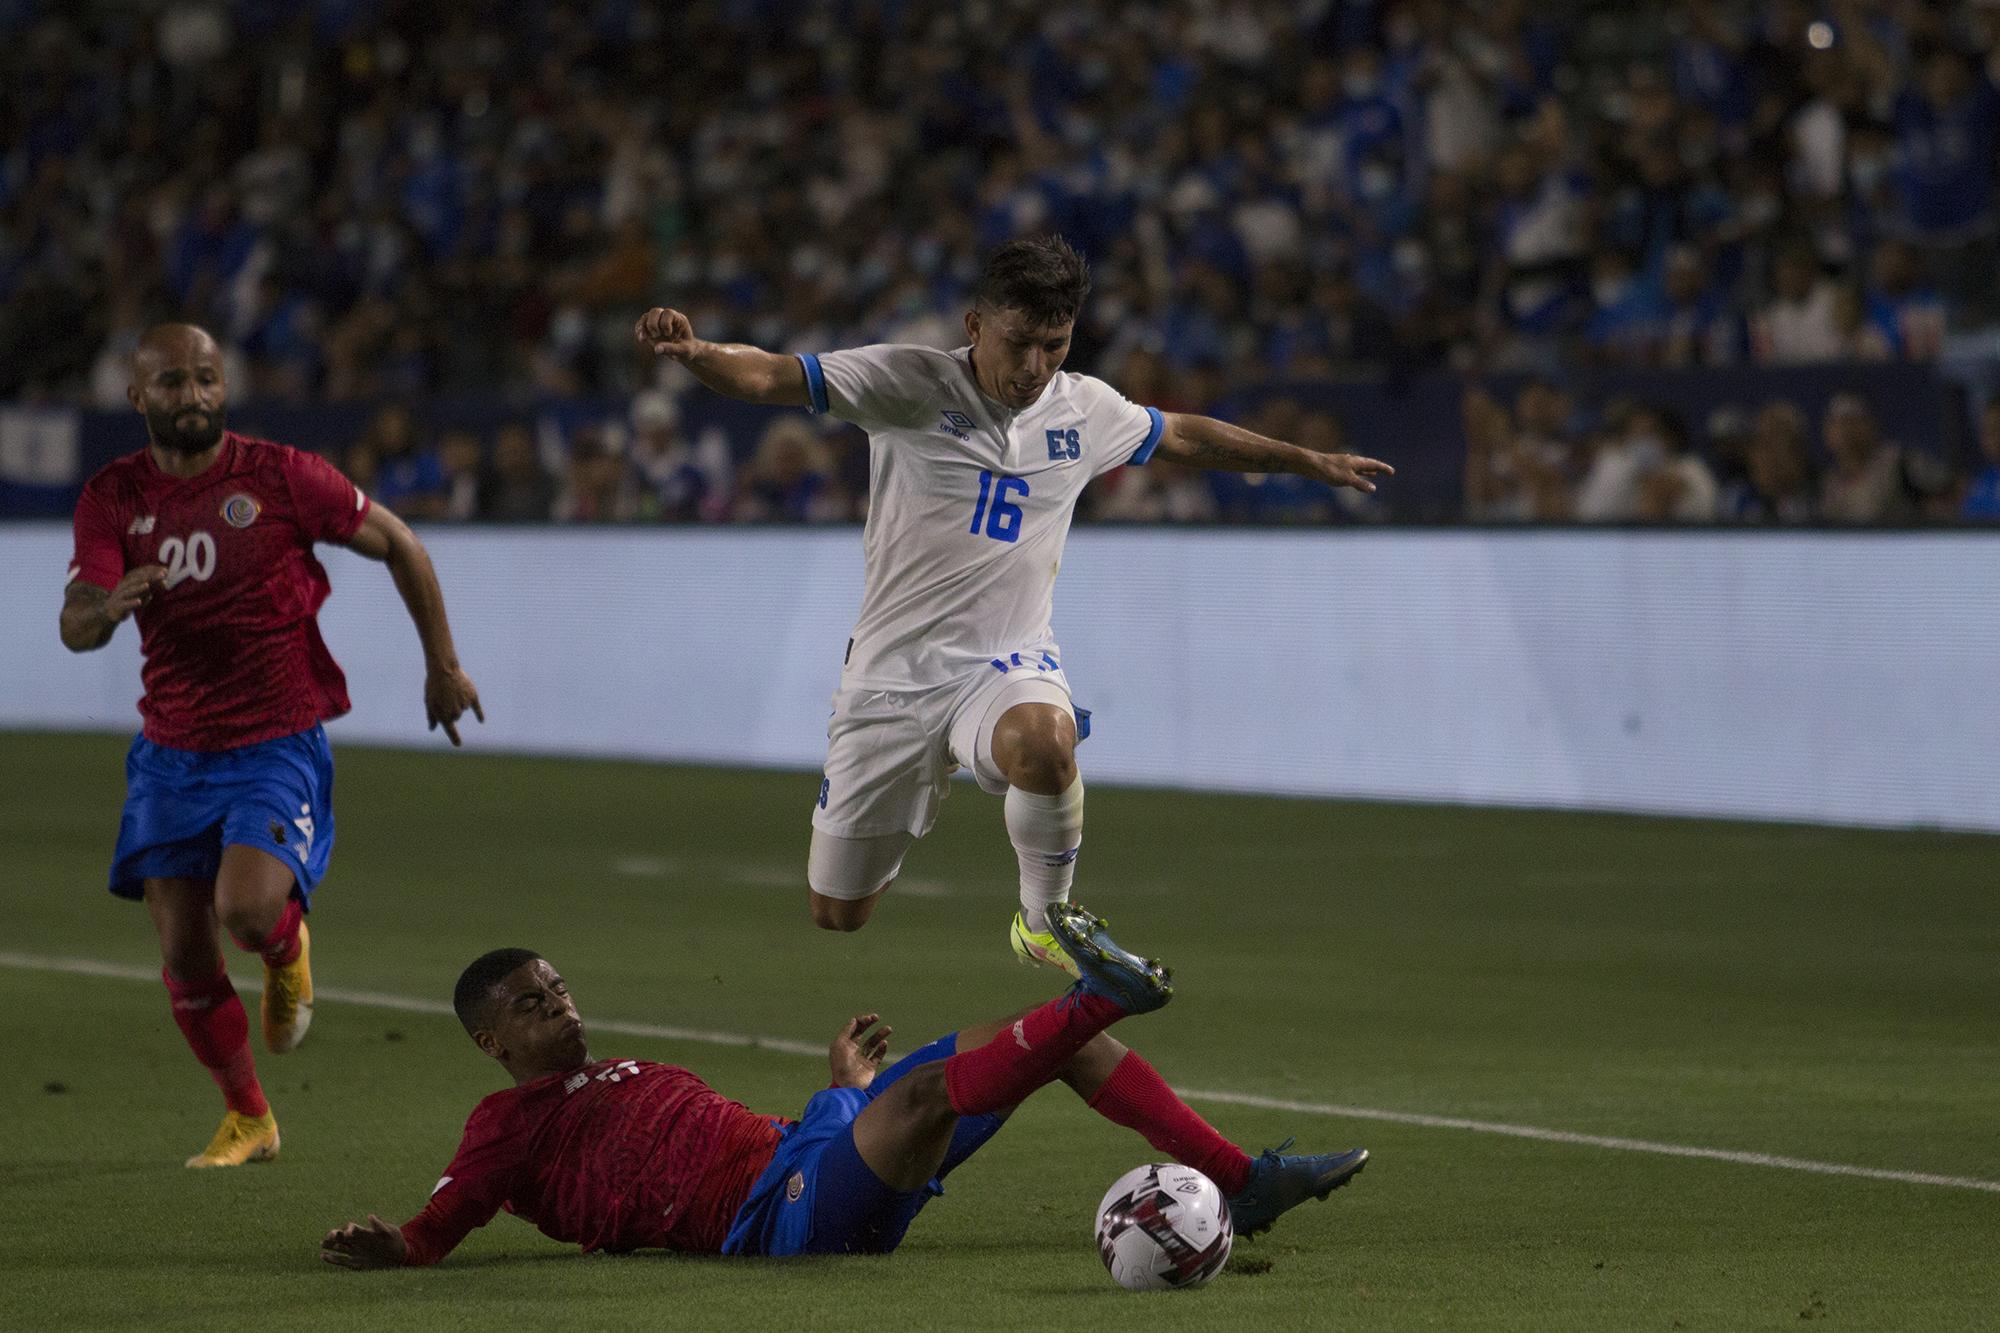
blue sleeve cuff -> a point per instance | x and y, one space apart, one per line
1152 440
815 381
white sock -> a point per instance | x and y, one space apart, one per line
1047 832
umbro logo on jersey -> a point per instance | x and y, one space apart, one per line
141 526
958 424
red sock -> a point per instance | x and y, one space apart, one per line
211 1017
1136 1097
1027 1054
281 945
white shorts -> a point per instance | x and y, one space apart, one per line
890 753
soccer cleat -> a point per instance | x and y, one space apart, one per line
1137 985
242 1138
1038 948
1279 1184
287 1009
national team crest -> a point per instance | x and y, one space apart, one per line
795 1187
240 510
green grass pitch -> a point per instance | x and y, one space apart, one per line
1817 994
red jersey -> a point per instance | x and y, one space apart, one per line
617 1155
233 654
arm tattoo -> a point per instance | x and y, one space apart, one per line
1232 457
84 623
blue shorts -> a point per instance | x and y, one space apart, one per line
182 807
818 1197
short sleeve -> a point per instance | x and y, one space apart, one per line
329 506
885 385
99 555
1121 431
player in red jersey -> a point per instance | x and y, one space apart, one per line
206 536
627 1154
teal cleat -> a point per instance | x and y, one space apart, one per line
1279 1184
1137 985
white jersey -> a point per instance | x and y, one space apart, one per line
969 504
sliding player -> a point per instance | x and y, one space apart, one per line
626 1154
206 536
977 458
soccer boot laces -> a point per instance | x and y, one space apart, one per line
1279 1184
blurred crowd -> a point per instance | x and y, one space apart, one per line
1542 459
374 199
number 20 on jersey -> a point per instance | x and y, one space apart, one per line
1002 518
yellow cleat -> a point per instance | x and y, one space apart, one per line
288 999
242 1138
1038 948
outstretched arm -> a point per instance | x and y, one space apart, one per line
747 373
448 691
365 1245
1208 443
90 614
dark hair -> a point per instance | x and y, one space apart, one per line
1043 277
473 995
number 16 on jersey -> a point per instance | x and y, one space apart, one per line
1003 520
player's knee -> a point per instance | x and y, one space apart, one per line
247 921
1035 746
842 914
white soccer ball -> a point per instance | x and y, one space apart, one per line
1164 1226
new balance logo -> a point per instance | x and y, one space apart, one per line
141 526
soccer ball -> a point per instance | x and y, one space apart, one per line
1164 1226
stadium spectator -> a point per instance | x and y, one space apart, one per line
1517 466
596 489
1778 485
517 488
1799 324
1906 311
459 457
1982 496
1874 480
409 477
790 478
1635 443
1699 325
1682 489
1160 492
672 479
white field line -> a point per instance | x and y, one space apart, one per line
89 967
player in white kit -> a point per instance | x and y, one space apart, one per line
976 460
